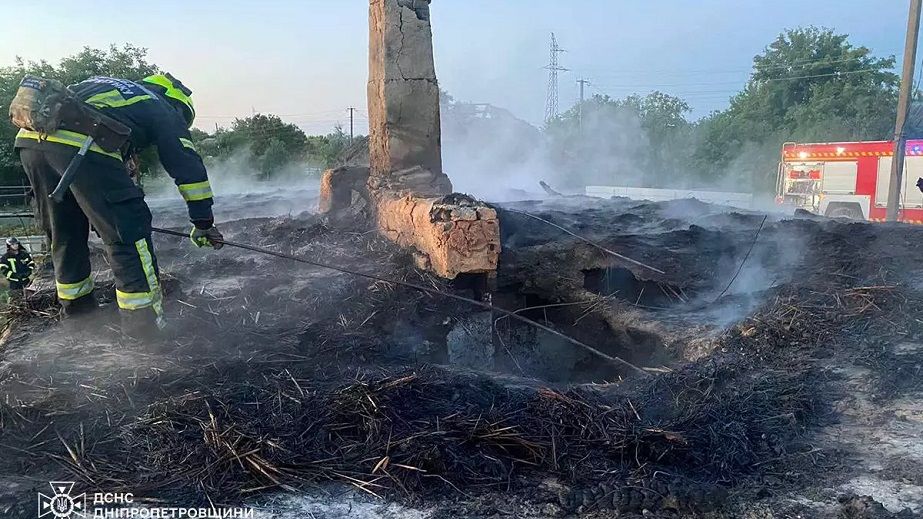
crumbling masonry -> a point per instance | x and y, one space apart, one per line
410 197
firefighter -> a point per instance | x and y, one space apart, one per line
17 266
159 111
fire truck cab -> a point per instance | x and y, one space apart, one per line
849 179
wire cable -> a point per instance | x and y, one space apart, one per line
744 262
594 244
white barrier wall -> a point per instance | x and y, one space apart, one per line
740 200
33 244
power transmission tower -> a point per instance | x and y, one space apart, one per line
351 112
583 83
551 104
903 107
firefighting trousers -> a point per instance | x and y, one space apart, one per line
104 196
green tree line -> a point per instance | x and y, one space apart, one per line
270 144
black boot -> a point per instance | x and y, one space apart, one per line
141 324
82 306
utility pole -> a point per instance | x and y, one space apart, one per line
583 83
903 107
551 103
351 112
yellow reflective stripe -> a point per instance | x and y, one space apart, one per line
65 137
187 143
153 286
71 291
196 191
153 297
114 99
134 301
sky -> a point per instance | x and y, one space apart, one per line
306 60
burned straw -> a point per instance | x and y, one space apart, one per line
414 286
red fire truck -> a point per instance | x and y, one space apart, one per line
849 179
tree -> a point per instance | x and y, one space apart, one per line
259 130
635 140
127 62
265 142
809 84
274 158
325 150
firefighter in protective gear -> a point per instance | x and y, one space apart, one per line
159 111
17 266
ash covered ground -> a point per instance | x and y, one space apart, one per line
305 392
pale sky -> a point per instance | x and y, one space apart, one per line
307 60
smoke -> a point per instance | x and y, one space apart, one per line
241 190
238 173
775 259
491 154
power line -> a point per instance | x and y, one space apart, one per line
351 111
583 84
716 83
314 114
551 103
802 63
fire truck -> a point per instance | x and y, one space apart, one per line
849 179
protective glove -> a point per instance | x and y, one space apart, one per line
920 184
210 237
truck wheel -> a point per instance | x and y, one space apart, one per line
845 211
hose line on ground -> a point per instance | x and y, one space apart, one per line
593 243
421 288
744 262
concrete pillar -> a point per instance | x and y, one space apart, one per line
409 196
403 96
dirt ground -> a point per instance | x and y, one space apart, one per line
794 391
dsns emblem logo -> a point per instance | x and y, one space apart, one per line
61 504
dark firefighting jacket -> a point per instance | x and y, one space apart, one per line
153 122
16 266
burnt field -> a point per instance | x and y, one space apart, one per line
790 385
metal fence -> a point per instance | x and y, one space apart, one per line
16 201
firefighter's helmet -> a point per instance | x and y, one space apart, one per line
176 92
